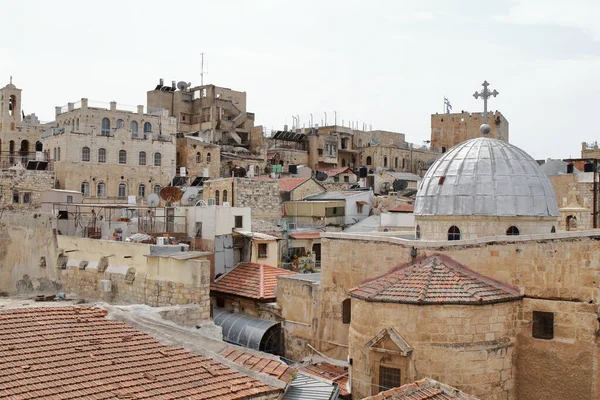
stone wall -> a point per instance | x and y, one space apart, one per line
398 158
196 156
306 189
24 183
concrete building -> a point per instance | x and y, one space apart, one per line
357 203
448 130
110 153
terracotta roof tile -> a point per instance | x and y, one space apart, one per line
407 208
255 281
306 235
76 353
336 171
289 184
275 368
424 389
331 372
435 280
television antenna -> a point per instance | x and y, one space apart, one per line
202 70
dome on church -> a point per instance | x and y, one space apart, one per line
486 177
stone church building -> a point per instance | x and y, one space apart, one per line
487 296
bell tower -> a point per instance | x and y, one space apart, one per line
10 106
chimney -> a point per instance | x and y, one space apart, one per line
58 110
70 106
173 85
84 103
140 109
161 82
113 106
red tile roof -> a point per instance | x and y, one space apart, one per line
285 184
403 208
306 235
424 389
331 372
276 369
435 280
76 353
255 281
336 171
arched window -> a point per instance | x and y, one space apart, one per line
134 128
119 123
101 155
12 105
54 151
385 162
157 159
122 190
157 189
553 230
105 126
77 124
85 154
122 157
198 157
216 197
224 196
147 127
142 158
396 162
369 161
418 232
453 233
39 146
101 189
85 189
142 191
58 154
403 163
207 157
346 311
512 231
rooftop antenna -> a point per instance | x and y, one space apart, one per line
202 70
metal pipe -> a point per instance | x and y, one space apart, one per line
311 120
335 118
325 112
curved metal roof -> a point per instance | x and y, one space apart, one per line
486 176
241 329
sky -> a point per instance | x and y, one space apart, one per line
387 64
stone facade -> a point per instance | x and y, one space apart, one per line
262 196
411 159
22 189
555 273
575 198
448 130
109 153
199 158
306 189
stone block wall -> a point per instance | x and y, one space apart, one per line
24 182
401 159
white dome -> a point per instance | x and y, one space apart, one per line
486 176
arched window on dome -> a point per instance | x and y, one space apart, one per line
513 231
453 233
418 232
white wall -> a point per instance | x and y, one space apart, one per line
352 214
395 219
216 220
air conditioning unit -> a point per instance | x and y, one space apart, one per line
291 226
226 204
211 202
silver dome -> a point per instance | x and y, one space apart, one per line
486 176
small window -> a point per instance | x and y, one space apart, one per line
262 250
142 158
101 155
217 197
105 126
142 191
388 378
346 311
85 189
512 231
85 154
453 233
101 189
418 232
239 221
208 157
441 180
336 178
147 127
385 162
134 128
224 196
359 208
553 230
369 161
220 302
543 325
157 159
16 198
26 198
443 149
58 154
396 162
346 178
122 190
157 189
198 157
122 157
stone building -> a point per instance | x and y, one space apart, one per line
484 187
23 189
111 153
448 130
404 158
200 159
262 196
19 133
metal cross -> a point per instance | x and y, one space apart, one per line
485 94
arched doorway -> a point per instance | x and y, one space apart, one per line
24 151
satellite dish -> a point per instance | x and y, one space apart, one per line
399 184
190 196
321 176
171 193
385 186
153 200
181 85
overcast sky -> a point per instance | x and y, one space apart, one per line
384 63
